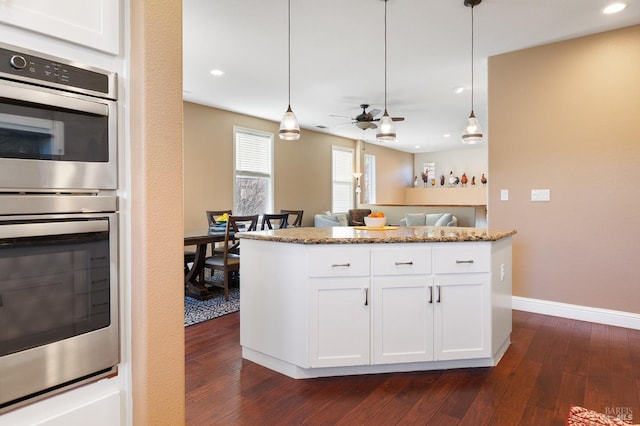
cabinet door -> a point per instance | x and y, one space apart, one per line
339 322
402 320
462 316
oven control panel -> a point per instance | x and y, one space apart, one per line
44 70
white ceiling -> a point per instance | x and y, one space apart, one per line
337 58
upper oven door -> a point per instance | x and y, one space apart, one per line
54 140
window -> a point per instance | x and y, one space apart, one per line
430 168
369 177
253 172
342 179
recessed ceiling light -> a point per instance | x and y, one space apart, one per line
217 73
417 146
614 8
446 135
458 90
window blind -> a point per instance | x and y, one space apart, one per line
342 184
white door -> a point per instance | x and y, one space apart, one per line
462 316
339 322
402 319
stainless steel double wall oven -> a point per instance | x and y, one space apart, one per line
58 225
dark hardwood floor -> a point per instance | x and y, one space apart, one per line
552 363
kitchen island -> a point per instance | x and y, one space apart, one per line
348 300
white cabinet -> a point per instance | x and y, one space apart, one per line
338 307
92 23
423 316
462 296
462 316
372 308
339 319
401 309
402 320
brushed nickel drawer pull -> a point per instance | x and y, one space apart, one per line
337 265
404 263
464 261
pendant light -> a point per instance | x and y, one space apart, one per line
386 130
289 127
472 133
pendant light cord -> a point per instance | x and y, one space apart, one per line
385 56
289 47
472 58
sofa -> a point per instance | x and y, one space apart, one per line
354 217
429 219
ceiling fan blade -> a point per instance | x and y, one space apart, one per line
374 112
397 118
341 116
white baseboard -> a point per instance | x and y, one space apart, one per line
577 312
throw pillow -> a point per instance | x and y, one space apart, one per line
416 219
342 218
444 219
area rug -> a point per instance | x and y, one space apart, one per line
579 416
196 311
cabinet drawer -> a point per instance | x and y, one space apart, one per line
402 261
338 262
462 258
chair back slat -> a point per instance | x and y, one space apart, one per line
237 224
297 221
271 219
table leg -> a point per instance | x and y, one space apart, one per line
194 279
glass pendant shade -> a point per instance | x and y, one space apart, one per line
289 127
472 133
386 130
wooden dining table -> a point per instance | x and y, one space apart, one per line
194 285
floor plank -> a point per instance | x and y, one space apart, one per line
552 364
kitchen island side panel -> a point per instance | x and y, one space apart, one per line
274 300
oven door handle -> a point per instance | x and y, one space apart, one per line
26 230
22 93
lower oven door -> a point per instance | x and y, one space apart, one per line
58 303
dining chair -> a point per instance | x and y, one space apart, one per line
274 220
297 221
228 262
214 215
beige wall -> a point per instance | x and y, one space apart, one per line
394 172
155 178
302 177
564 117
471 160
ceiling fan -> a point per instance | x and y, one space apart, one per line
365 120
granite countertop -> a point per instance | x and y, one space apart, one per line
357 235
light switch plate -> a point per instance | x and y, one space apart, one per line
504 195
540 195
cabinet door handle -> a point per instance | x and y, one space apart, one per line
337 265
464 261
430 294
405 263
439 291
366 297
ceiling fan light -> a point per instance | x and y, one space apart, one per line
289 127
472 133
387 131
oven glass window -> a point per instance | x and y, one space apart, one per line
52 287
44 132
